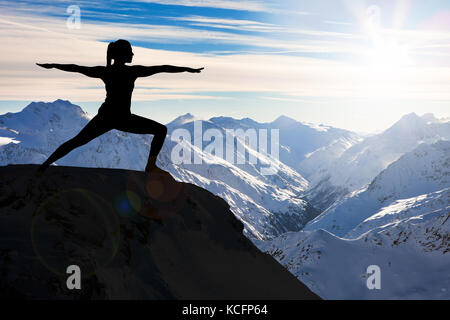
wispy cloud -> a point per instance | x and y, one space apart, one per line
292 99
233 24
339 23
256 26
30 39
246 5
179 34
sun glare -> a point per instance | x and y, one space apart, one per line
389 55
388 63
384 52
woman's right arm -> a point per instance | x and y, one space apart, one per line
93 72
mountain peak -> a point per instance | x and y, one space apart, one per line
228 122
179 121
61 101
411 115
39 106
410 118
284 121
429 118
187 115
407 124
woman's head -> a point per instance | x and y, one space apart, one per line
120 51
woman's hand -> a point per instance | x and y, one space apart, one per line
46 65
195 70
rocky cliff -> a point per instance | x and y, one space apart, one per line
132 236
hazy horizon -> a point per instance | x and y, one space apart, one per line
92 112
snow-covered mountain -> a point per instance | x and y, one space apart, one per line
298 140
424 170
276 201
305 147
436 202
413 255
400 222
41 127
268 205
348 169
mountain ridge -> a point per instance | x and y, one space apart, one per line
424 170
356 165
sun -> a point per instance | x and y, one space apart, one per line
388 54
389 65
385 51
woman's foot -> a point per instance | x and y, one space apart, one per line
151 164
154 169
40 171
42 167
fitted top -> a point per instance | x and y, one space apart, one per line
119 84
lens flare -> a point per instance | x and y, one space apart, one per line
155 196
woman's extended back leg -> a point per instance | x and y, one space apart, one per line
96 127
140 125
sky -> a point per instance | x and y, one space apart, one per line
353 64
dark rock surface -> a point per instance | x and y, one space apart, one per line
133 237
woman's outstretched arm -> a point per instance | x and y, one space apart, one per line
143 71
93 72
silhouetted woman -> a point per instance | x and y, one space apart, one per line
115 112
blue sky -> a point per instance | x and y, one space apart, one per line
353 64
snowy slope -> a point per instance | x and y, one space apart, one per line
399 222
267 205
413 255
305 147
436 202
424 170
319 160
298 140
362 162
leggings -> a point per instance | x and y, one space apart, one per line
102 123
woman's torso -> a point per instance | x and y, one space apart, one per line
119 85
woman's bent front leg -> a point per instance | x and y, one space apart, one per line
141 125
